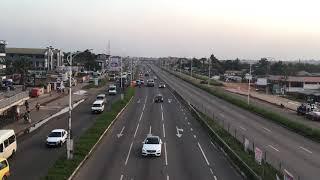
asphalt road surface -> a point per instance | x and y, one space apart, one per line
33 159
188 155
298 155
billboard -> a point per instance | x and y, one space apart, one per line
114 64
2 48
258 155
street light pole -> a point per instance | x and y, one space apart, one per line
209 61
249 85
70 141
191 68
180 65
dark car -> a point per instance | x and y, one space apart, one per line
162 85
158 98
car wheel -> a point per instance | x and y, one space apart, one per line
4 177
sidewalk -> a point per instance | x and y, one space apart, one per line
49 105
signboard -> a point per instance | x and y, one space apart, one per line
261 81
248 76
258 155
246 144
96 81
287 175
114 64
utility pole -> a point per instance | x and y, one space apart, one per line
131 69
180 65
121 79
249 78
191 68
209 61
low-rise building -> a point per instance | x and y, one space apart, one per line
295 83
42 58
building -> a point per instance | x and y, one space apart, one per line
2 59
42 59
114 64
295 83
102 60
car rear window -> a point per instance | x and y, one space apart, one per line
96 105
152 140
55 134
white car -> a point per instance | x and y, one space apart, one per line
151 146
112 90
97 106
57 137
101 97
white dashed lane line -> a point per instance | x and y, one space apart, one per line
242 128
305 149
204 156
165 153
273 148
128 154
164 131
266 129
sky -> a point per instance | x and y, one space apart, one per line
229 29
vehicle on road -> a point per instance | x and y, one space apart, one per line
4 169
150 83
97 106
155 77
102 97
57 137
142 81
8 143
303 109
162 85
112 90
146 74
151 146
158 98
313 115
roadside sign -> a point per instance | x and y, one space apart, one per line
96 81
258 155
246 144
248 76
287 175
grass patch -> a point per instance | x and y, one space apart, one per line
63 168
102 82
302 129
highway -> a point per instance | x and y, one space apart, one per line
33 159
187 152
299 155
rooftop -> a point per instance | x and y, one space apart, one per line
294 78
25 51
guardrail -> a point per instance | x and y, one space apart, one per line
8 101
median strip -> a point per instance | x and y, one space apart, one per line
66 169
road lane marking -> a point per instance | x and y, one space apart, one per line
305 149
211 171
203 154
242 128
164 132
120 134
222 115
167 177
121 177
128 154
266 129
150 130
191 129
162 119
165 154
213 145
215 178
161 107
135 133
195 136
188 123
185 118
138 101
274 148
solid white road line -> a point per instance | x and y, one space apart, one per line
203 154
161 107
242 128
167 177
135 133
305 149
150 130
128 154
211 171
274 148
165 153
164 131
121 177
215 178
162 116
266 129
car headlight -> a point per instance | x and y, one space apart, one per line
158 150
143 150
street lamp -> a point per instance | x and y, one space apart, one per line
209 61
249 77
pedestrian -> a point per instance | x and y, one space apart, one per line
38 106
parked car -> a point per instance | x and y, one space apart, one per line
303 109
112 90
151 146
57 137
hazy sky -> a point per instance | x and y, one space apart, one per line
250 29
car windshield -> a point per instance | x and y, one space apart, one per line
112 88
152 140
96 105
55 134
100 97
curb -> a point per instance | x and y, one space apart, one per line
43 121
100 138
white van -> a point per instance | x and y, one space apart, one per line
8 143
112 90
102 97
97 106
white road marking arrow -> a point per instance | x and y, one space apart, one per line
178 132
120 134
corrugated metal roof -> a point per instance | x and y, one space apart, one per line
294 78
25 51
